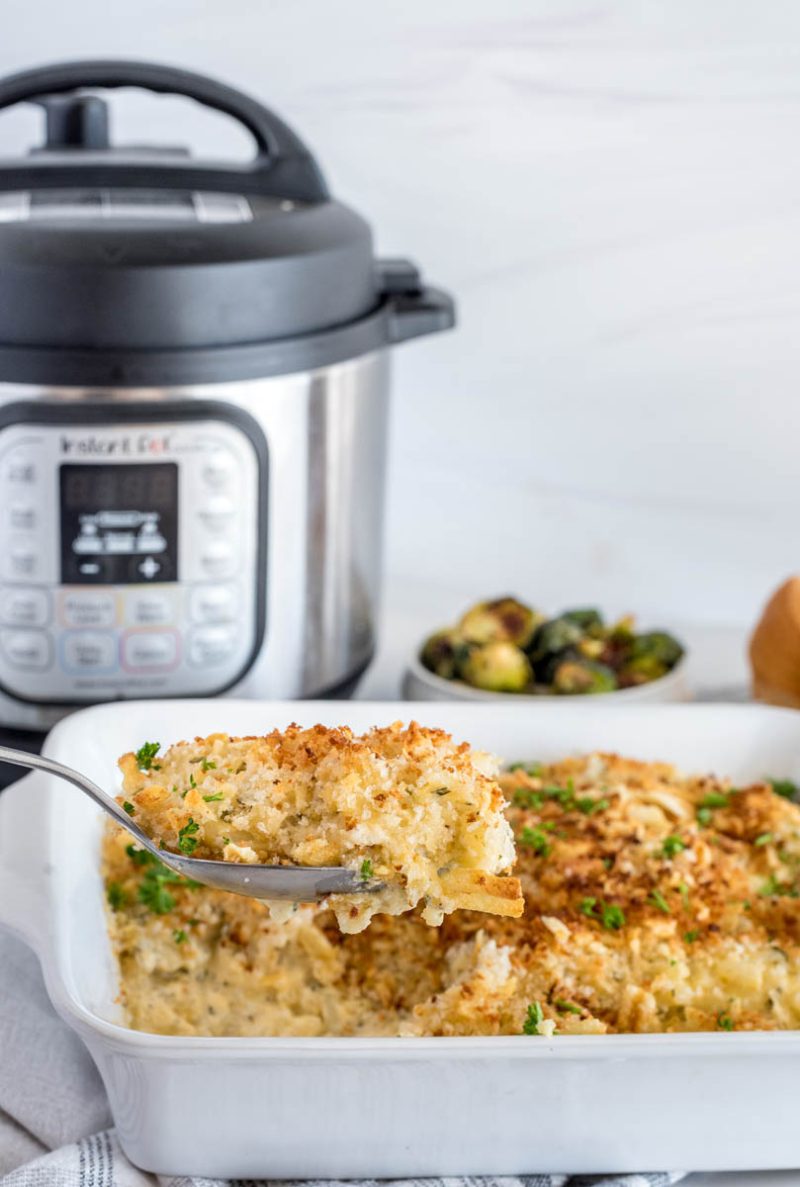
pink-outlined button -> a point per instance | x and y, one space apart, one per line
150 651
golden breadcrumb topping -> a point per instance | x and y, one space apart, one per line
403 806
654 902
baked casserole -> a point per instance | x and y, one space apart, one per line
655 901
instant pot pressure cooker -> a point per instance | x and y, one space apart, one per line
193 398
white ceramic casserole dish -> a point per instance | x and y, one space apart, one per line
342 1108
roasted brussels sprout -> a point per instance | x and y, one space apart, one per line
503 619
439 653
592 648
582 676
641 671
623 630
496 667
587 620
545 670
657 646
549 640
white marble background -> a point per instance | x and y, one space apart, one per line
612 189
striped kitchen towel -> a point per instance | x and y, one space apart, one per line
98 1161
54 1120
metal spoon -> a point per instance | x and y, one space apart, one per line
298 884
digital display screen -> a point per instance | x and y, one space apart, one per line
119 524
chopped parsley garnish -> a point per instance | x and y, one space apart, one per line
210 799
672 845
785 788
715 799
366 870
773 888
611 916
658 900
683 890
179 935
187 842
140 857
192 782
153 887
587 804
208 765
128 806
534 769
145 755
763 839
534 1017
154 894
524 797
724 1021
564 795
535 839
226 840
567 1007
441 791
691 936
704 816
116 896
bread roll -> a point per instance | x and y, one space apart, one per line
775 648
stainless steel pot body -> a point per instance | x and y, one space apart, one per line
191 540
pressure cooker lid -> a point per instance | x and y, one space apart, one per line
111 249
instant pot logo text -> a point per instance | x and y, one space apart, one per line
130 445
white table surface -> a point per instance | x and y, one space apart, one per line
717 671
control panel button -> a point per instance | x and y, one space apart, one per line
217 513
218 558
88 609
21 561
20 469
210 646
213 603
27 650
149 607
24 607
21 517
124 542
149 650
89 651
219 469
150 569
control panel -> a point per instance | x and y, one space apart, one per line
132 550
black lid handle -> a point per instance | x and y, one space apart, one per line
282 167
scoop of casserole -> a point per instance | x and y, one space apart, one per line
406 807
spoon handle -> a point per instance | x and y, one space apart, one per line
38 762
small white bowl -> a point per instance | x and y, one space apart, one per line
421 685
